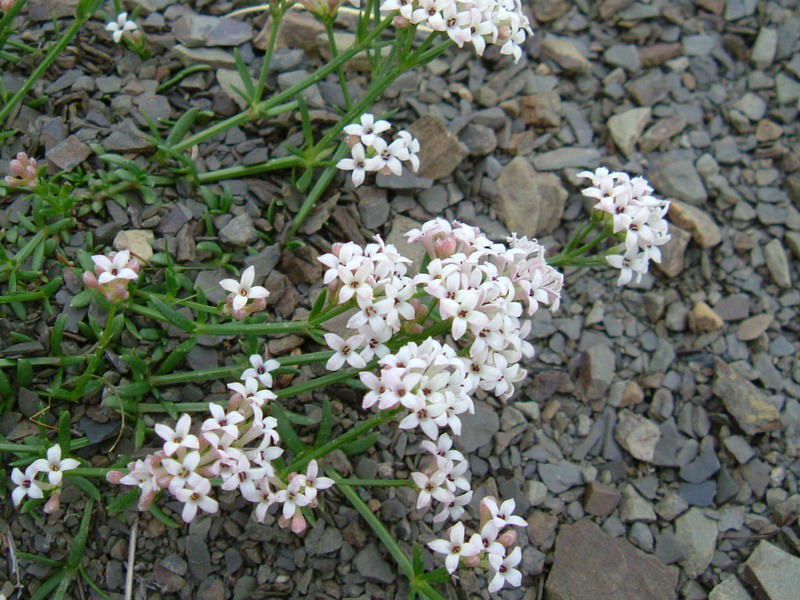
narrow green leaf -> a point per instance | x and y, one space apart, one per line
361 445
48 586
84 485
177 356
80 539
297 418
121 161
439 575
288 435
57 335
416 559
63 585
64 433
319 303
24 372
162 516
43 560
325 423
182 126
173 316
138 433
245 76
128 499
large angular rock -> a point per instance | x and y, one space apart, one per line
638 435
566 53
696 221
626 128
440 152
745 402
590 565
674 177
673 253
529 203
774 573
201 30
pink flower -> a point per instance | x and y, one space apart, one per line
23 169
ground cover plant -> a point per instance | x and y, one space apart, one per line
404 343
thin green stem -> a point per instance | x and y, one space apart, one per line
377 482
251 328
237 172
44 361
41 69
8 18
97 357
340 70
301 461
277 17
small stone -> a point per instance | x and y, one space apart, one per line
774 573
68 154
677 177
137 241
566 53
660 132
671 506
703 318
239 231
230 80
638 435
668 547
590 565
529 203
597 369
440 153
541 110
733 308
788 89
763 52
730 589
744 401
753 106
635 508
752 328
536 492
623 55
560 477
701 468
642 536
704 230
698 535
195 30
768 131
213 57
740 448
777 263
600 499
400 226
371 566
626 128
211 589
477 429
674 251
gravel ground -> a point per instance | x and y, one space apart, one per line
653 450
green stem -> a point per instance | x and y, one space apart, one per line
318 382
251 328
44 361
377 482
277 17
97 357
5 22
283 96
339 71
89 471
17 448
41 68
301 461
284 162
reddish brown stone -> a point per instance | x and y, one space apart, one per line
589 565
600 499
541 527
651 56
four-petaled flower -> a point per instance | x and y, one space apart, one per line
54 465
194 496
455 548
120 27
113 268
346 351
504 570
179 437
27 485
244 289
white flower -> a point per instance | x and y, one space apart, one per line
431 486
404 6
181 470
454 509
179 437
261 370
263 497
629 264
292 498
503 515
120 27
357 164
222 421
195 495
455 547
504 570
346 351
368 130
244 290
53 465
314 483
250 393
114 268
27 485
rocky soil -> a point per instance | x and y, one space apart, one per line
654 450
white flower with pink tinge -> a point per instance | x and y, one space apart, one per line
27 485
54 466
454 548
115 267
292 498
313 483
502 515
505 570
196 495
261 369
178 437
244 290
368 129
346 351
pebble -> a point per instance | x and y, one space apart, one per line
529 203
635 508
674 251
440 153
764 48
69 153
239 231
703 318
477 429
777 263
371 566
195 30
560 477
597 369
600 499
137 241
705 232
677 177
746 403
626 128
701 468
698 536
638 435
752 328
566 53
730 589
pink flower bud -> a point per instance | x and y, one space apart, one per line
298 523
7 5
444 248
471 561
507 538
400 22
90 281
114 476
24 171
53 503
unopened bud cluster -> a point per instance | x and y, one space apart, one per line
371 153
24 171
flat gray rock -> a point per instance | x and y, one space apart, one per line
371 566
773 572
698 535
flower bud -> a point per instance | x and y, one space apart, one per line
444 248
471 561
24 170
114 476
507 538
53 503
7 5
400 22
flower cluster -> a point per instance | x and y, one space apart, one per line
635 214
489 547
476 22
112 274
24 171
29 485
122 27
238 304
371 153
485 288
236 444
